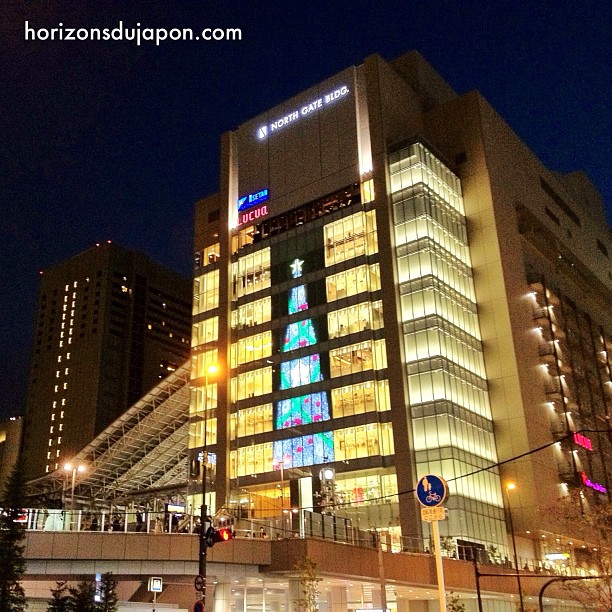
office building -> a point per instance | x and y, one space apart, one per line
110 324
391 285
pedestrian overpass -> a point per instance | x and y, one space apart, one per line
259 574
142 458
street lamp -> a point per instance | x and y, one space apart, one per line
74 469
210 370
510 486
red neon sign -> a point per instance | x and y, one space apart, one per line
583 441
252 215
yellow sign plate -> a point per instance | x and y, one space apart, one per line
437 513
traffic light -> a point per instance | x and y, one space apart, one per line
217 535
223 535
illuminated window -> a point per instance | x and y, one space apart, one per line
205 331
364 441
204 396
206 292
358 357
200 362
415 165
251 421
350 237
196 432
361 317
253 313
211 254
253 459
369 396
242 238
252 384
353 281
251 273
251 348
367 190
370 489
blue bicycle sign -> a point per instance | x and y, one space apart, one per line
431 491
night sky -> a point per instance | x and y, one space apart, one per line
108 140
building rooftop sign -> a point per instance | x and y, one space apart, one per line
311 107
252 199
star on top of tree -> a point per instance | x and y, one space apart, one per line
296 268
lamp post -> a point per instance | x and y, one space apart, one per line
510 487
74 469
210 370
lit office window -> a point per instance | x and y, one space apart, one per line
206 292
209 255
251 348
364 441
200 362
253 313
196 431
251 384
367 191
202 397
353 281
205 331
358 357
242 238
252 459
350 237
369 396
251 273
361 317
251 421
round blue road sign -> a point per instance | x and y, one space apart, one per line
431 491
198 606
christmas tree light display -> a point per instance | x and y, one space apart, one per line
303 409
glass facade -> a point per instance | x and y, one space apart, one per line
315 368
307 355
452 428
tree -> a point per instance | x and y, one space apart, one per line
453 603
60 599
12 549
108 594
309 585
588 519
82 597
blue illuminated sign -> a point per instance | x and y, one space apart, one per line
431 491
253 199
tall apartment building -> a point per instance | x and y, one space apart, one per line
392 285
110 324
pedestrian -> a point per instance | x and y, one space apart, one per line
159 526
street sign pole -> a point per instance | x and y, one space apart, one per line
431 491
439 567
